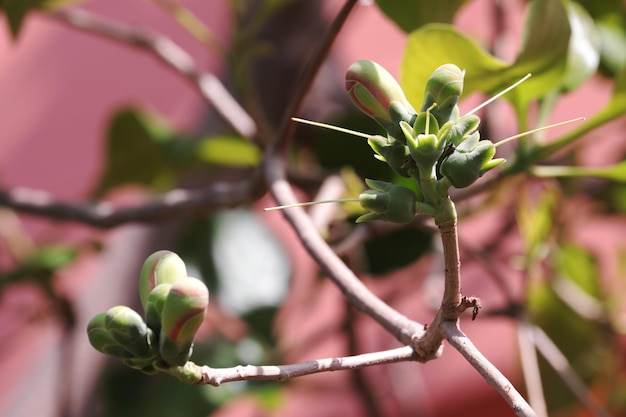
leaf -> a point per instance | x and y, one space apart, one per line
143 149
228 150
534 218
543 53
412 14
583 56
615 172
16 10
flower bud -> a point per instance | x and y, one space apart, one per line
377 94
183 312
470 160
101 340
389 202
128 329
425 149
457 131
154 305
161 267
393 152
444 88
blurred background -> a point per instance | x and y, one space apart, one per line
90 117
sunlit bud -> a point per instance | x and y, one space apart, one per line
444 88
162 267
455 132
128 329
183 312
389 202
377 94
470 160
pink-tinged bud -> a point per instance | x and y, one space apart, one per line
162 267
377 94
183 312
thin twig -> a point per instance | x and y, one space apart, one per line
217 376
169 53
354 290
530 369
489 372
175 205
561 365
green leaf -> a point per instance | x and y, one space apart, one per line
615 172
411 14
583 56
534 219
543 53
228 150
16 10
436 44
143 149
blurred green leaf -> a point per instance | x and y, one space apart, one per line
615 172
16 10
543 53
143 149
41 265
228 150
534 218
411 14
583 56
576 264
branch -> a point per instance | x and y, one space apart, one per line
172 55
217 376
492 375
174 205
561 365
354 290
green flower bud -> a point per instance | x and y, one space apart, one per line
128 329
154 306
389 202
444 88
101 340
457 131
425 149
470 160
183 312
393 152
161 267
377 94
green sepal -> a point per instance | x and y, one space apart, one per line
419 127
128 329
471 159
393 152
389 202
154 306
457 131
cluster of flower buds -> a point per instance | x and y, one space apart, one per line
175 305
435 146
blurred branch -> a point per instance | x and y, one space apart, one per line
492 375
530 368
560 364
174 205
217 376
172 55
